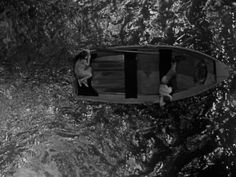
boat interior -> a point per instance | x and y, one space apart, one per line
139 72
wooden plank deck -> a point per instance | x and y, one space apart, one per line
108 74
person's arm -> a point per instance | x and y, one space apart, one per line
169 75
89 56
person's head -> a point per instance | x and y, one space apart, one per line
83 55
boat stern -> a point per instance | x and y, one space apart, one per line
222 71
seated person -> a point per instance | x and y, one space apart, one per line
83 69
165 90
83 74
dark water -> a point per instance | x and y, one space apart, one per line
43 133
46 133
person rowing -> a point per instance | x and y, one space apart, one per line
165 90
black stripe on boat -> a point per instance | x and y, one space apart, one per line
131 89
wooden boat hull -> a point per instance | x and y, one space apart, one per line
132 74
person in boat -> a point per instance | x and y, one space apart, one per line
165 90
83 74
83 70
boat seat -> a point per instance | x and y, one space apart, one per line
109 74
130 75
165 61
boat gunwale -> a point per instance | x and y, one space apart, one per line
104 97
118 49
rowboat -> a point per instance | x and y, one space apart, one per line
132 74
